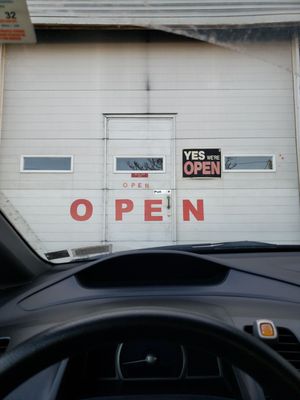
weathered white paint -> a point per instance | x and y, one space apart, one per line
6 205
296 81
16 217
58 97
47 213
2 72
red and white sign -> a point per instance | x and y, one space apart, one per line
15 23
139 175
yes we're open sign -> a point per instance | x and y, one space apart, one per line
201 163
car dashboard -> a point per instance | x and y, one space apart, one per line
152 367
144 367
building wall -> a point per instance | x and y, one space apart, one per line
163 12
55 100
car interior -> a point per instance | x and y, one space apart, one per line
193 323
149 200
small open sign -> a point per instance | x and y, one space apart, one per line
139 175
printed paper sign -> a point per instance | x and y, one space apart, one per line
15 23
161 191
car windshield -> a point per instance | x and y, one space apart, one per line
138 124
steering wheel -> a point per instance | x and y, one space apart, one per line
255 358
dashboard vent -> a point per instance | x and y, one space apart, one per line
4 342
288 346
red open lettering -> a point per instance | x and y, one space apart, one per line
149 209
153 209
87 213
188 208
123 206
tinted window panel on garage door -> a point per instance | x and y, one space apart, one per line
249 163
147 164
36 163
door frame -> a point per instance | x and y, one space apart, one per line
172 116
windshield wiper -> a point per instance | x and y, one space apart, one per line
238 246
210 248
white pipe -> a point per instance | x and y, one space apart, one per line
296 83
2 74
